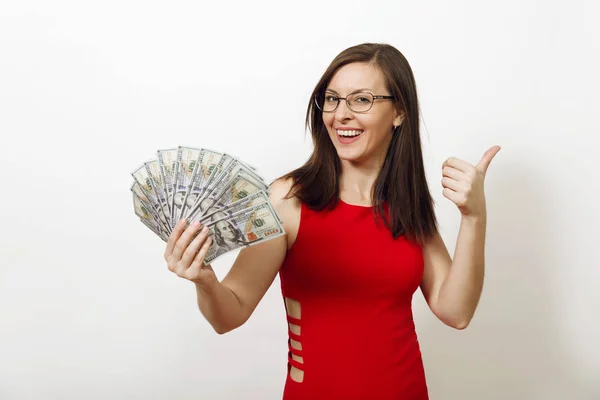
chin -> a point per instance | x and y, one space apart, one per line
350 155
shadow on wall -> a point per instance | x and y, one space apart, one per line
514 348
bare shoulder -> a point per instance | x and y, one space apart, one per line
287 207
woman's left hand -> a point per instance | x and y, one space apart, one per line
463 183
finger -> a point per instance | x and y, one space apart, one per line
458 164
453 173
175 234
185 239
193 248
452 184
453 196
198 263
487 158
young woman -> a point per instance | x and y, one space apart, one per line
361 237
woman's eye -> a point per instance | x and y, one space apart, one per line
362 99
331 98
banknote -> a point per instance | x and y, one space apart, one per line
227 192
187 160
214 213
245 228
143 211
167 160
227 174
145 186
215 188
152 208
153 169
222 164
207 161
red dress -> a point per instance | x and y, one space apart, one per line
355 284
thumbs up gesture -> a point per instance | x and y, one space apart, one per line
463 183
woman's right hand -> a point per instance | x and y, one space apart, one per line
186 248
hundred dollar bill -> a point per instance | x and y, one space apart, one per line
153 169
142 211
187 160
227 192
224 161
137 191
167 160
246 228
231 170
214 213
144 184
222 180
207 161
252 167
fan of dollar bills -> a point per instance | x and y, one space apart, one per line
217 189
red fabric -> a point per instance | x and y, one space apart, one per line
355 285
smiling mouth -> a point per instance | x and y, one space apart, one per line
349 134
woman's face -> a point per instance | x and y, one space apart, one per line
226 231
375 127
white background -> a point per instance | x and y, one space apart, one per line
90 90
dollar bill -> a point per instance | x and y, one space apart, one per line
245 228
187 160
167 160
223 163
142 210
145 186
137 191
207 161
228 173
153 169
227 192
215 212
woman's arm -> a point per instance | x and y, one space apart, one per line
452 288
228 304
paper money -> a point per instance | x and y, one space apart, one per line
218 189
231 168
214 213
142 210
187 160
245 228
167 160
207 161
145 186
153 169
227 192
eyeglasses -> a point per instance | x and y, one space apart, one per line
359 102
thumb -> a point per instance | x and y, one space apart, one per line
485 161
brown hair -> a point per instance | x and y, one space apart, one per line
401 182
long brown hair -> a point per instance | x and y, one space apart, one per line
401 183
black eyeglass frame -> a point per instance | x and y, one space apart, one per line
339 99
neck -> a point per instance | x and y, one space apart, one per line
357 181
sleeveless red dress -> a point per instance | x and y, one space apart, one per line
355 284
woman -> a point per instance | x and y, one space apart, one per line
361 237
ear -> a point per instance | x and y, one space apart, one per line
398 119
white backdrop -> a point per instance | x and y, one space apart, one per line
88 91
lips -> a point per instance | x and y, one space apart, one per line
349 132
347 136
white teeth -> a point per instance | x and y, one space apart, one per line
349 133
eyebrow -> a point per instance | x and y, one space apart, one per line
354 91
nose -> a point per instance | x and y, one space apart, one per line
343 112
